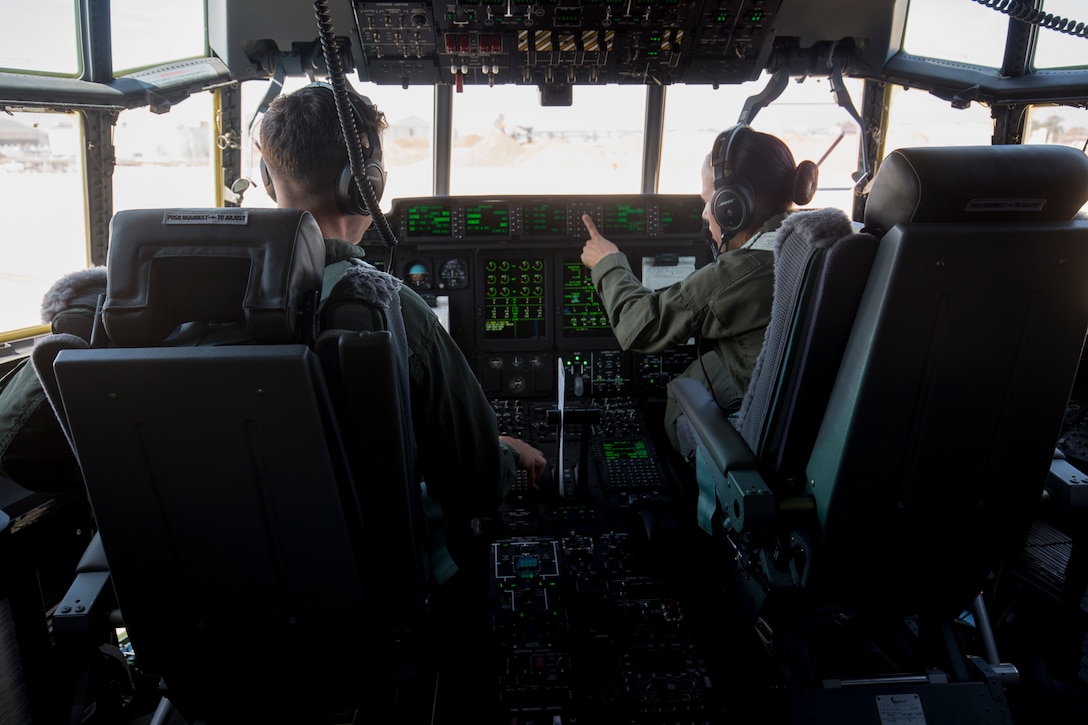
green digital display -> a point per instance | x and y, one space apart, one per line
515 299
681 219
429 220
624 218
625 450
583 314
545 220
487 220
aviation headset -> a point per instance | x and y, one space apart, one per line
734 201
349 198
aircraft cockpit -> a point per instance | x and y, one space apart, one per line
637 581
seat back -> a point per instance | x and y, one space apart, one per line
241 516
820 271
900 423
742 464
941 426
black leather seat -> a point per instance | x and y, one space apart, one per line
257 507
893 458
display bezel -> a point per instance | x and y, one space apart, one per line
543 341
602 338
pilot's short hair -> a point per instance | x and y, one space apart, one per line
301 137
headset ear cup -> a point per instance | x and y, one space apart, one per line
266 179
733 204
376 173
349 198
733 207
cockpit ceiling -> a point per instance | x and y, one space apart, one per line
570 42
556 44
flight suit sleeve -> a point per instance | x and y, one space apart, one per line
33 450
648 320
466 468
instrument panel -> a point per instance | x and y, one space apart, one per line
546 218
504 274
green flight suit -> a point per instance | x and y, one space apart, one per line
459 455
724 305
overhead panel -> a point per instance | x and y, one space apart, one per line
476 42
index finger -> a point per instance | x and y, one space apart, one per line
590 225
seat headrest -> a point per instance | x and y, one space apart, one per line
1011 183
166 267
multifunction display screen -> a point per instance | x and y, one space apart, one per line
553 219
515 298
680 219
487 220
544 220
429 220
624 218
583 314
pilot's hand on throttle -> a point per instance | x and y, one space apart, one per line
596 247
530 460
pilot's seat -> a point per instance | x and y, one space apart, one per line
885 490
251 476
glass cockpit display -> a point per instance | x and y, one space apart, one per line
453 273
583 316
429 220
548 218
509 269
515 299
623 218
418 274
487 219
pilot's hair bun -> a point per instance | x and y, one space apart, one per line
805 178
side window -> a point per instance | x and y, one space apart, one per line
1062 50
53 53
917 118
960 32
43 231
407 153
1058 125
805 117
139 40
165 159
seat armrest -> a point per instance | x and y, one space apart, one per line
1068 485
86 606
85 609
723 443
719 450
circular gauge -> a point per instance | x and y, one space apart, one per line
453 274
418 275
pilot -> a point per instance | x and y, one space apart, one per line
466 466
750 183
